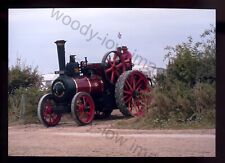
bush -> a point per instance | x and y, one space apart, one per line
24 76
181 103
22 105
205 95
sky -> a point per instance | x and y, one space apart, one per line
93 32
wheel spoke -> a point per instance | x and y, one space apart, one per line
119 65
81 115
54 117
135 107
86 116
45 113
127 92
114 58
129 106
138 106
127 82
84 101
139 80
80 107
138 87
108 70
112 76
129 98
117 73
133 82
109 60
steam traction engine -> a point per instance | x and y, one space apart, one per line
89 90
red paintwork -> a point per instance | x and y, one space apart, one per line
116 68
97 67
136 82
82 85
85 102
97 85
113 71
89 85
50 117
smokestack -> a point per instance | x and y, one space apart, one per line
61 53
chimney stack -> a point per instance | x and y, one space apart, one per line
61 53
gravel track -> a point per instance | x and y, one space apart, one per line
101 139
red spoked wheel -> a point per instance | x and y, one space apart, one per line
45 111
129 92
82 108
113 66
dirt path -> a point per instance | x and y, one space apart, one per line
100 139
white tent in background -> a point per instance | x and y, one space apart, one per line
147 70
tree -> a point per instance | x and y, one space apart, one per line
23 76
191 62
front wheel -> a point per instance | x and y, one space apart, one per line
45 111
82 108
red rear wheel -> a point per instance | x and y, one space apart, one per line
113 66
45 111
128 92
82 108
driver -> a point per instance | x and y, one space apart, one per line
126 57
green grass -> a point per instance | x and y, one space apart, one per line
134 123
147 122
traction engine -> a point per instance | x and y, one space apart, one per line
88 90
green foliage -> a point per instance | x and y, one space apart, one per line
24 76
24 93
191 62
184 66
186 93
